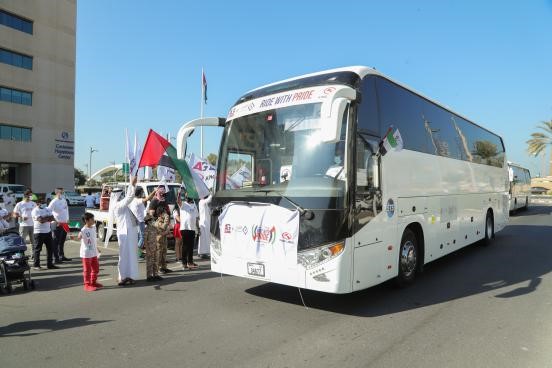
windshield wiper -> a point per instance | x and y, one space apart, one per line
308 214
295 123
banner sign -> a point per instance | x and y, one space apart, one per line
204 170
283 99
263 233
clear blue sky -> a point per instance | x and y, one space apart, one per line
139 62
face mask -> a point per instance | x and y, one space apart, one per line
337 160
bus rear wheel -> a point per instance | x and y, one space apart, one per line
489 229
408 258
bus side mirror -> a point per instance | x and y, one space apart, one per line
333 119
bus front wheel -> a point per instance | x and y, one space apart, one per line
408 258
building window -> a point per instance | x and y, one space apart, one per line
15 22
15 133
16 59
16 96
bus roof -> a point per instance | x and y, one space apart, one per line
361 72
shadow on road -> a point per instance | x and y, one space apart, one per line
30 328
521 254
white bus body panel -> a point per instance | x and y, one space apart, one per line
447 198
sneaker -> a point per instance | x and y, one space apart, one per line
157 278
37 268
166 270
52 267
66 259
162 271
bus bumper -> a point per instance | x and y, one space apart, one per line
332 276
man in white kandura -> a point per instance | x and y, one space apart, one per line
204 247
127 236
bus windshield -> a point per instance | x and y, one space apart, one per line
280 152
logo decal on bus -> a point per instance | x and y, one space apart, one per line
264 234
390 208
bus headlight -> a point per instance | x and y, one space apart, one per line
215 244
313 257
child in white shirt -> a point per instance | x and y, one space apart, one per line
89 253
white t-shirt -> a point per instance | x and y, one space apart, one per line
90 200
38 227
188 216
24 210
88 248
59 209
138 209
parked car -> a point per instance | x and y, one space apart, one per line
539 190
74 199
17 190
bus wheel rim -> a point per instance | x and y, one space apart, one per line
408 258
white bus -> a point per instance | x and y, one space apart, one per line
520 186
311 145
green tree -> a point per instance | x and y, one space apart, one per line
80 177
541 140
212 159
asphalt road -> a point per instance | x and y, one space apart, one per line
480 307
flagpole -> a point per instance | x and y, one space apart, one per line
201 113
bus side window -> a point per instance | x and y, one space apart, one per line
364 161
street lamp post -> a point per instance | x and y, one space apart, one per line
92 150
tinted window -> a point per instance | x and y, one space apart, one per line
442 137
16 96
5 132
26 134
5 94
27 62
368 119
26 98
15 22
402 110
482 147
5 57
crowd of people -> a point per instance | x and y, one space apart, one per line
40 225
143 224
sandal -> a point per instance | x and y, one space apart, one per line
123 282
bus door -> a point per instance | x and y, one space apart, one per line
367 229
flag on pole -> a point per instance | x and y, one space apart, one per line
158 151
391 142
130 156
204 86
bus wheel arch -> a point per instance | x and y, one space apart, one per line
411 254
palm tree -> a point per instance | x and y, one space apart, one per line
541 140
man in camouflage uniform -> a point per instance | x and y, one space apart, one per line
162 226
150 244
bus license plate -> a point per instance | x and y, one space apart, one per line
256 269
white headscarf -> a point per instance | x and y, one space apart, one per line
111 215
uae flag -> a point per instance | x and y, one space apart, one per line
158 151
391 142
